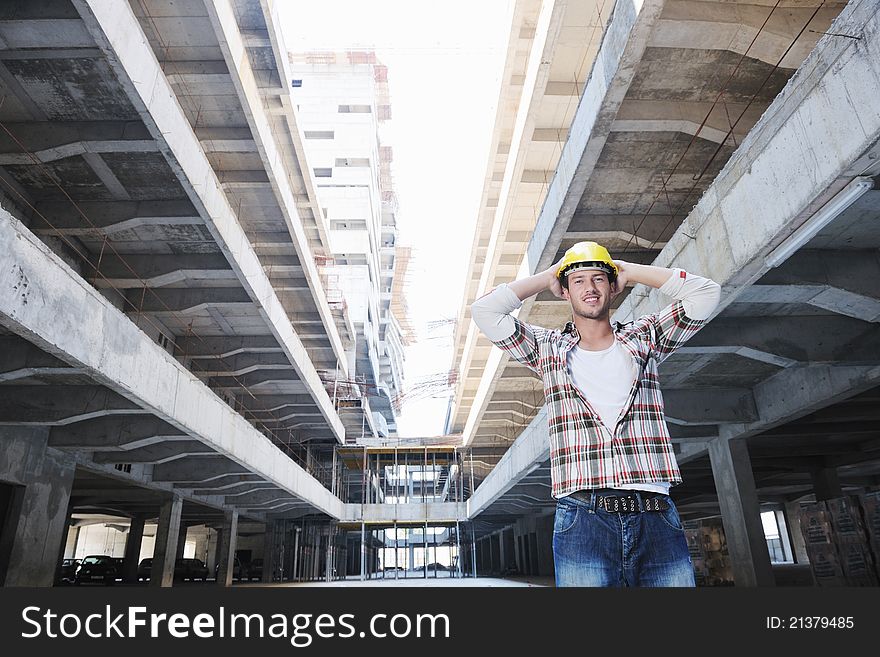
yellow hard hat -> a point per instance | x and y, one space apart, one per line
587 255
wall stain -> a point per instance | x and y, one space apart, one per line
22 284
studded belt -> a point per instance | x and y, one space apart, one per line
627 503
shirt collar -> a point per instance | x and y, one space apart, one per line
571 336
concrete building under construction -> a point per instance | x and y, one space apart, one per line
177 365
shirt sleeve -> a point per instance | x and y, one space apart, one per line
695 299
491 314
698 295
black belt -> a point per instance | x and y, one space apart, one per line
625 503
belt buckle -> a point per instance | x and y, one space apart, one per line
620 503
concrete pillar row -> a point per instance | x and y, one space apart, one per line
167 534
740 512
226 543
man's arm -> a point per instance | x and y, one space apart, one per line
695 300
491 314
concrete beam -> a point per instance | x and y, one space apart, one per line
197 470
242 364
20 359
60 405
129 432
259 498
155 270
390 513
709 405
223 347
111 217
222 486
186 301
789 341
117 32
163 453
741 28
98 338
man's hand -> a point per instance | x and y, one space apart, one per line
622 276
555 285
631 273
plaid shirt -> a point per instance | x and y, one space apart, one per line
583 453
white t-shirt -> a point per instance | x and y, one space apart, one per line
605 379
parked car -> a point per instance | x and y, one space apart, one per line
439 567
145 567
99 568
237 569
191 569
68 570
255 569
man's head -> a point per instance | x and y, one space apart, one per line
588 276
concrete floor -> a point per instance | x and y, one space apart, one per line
488 582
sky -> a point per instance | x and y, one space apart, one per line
445 61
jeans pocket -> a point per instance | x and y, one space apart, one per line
566 516
671 518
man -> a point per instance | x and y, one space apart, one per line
611 459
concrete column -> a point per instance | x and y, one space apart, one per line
226 548
211 550
793 525
272 529
63 544
72 543
133 549
826 483
517 546
740 512
544 545
167 533
502 562
34 530
181 541
783 534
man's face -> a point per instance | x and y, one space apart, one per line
589 293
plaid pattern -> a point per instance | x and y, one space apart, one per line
583 453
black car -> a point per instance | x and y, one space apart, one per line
68 570
238 570
145 567
99 569
191 569
255 569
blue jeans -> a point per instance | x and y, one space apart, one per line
592 547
